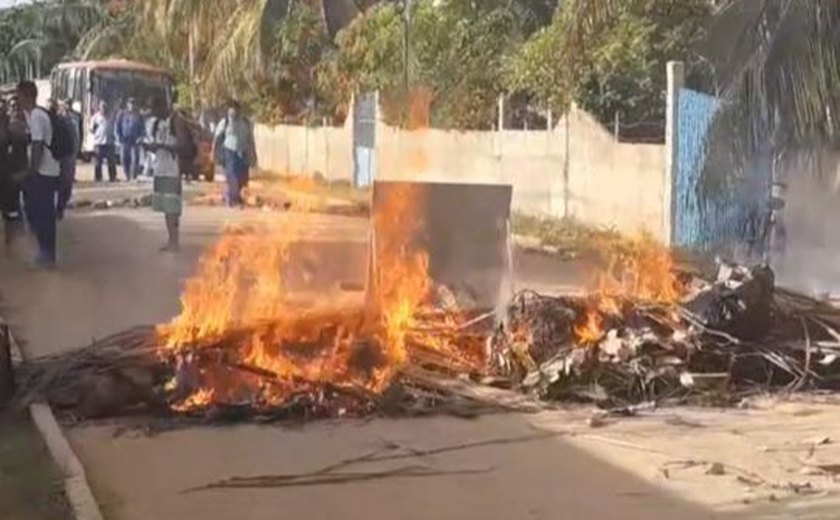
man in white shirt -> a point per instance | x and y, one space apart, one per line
42 178
102 128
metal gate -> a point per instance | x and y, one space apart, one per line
715 219
364 139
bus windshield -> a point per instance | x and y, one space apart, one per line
116 86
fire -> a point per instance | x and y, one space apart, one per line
244 334
641 270
591 331
252 338
200 399
241 295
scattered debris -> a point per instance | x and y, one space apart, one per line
716 468
141 201
720 342
336 473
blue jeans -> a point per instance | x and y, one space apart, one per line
236 176
39 193
130 160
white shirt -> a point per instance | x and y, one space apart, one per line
103 129
163 162
40 129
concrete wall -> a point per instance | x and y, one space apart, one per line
610 184
300 150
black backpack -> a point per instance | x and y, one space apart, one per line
61 146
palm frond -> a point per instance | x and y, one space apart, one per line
238 49
779 59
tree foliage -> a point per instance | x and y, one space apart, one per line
284 58
287 86
36 36
456 52
610 56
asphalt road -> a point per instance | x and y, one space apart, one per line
111 277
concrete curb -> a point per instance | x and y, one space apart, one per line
76 486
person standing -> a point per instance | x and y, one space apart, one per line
9 192
130 129
185 131
41 182
17 160
6 178
67 165
234 147
102 128
161 144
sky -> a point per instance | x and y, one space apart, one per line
10 3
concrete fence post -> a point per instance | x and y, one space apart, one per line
307 167
288 150
676 80
325 128
500 125
567 160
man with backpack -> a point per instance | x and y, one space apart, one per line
50 142
234 148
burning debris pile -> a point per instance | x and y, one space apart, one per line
247 343
715 342
250 340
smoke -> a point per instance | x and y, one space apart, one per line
506 283
810 261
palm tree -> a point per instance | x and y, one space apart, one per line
779 63
218 46
38 35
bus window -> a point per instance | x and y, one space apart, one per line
76 90
116 86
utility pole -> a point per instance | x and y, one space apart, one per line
191 42
407 44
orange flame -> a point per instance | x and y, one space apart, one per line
240 298
591 331
239 306
641 270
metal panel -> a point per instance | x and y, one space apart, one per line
364 165
364 139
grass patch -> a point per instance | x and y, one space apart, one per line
31 487
316 185
572 239
569 237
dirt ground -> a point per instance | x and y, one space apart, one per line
31 488
112 277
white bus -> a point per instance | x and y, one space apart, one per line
113 81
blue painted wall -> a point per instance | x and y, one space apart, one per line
716 220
